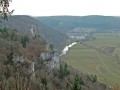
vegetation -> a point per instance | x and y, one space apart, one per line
51 47
18 51
4 11
107 42
20 43
77 83
63 71
25 23
93 22
92 61
24 41
16 75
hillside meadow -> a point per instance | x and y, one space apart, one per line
92 61
108 42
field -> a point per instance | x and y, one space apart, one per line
92 61
106 41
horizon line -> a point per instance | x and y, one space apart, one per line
61 15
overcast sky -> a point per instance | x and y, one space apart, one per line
66 7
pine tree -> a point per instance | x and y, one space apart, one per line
24 41
63 71
77 83
44 82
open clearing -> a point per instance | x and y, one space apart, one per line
91 61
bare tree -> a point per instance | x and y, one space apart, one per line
4 9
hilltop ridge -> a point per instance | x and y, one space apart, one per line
24 23
67 23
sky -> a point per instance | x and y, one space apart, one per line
66 7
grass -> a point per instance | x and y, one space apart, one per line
91 61
104 40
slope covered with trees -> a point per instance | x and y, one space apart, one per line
26 23
67 23
19 50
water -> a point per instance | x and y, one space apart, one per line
66 49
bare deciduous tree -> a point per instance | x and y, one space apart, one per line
4 9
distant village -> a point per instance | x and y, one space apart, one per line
81 34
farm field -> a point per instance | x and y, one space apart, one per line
109 42
91 61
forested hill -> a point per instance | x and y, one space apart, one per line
25 23
66 23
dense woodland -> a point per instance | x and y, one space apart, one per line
95 22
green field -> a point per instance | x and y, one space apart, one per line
91 61
104 40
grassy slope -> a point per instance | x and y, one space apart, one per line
104 40
93 62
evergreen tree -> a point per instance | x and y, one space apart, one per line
92 78
51 47
66 71
44 82
63 71
4 32
77 83
13 36
24 41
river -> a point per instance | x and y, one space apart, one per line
66 48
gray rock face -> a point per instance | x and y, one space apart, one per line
18 59
52 59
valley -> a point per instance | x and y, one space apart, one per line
92 57
107 42
59 45
91 53
98 49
